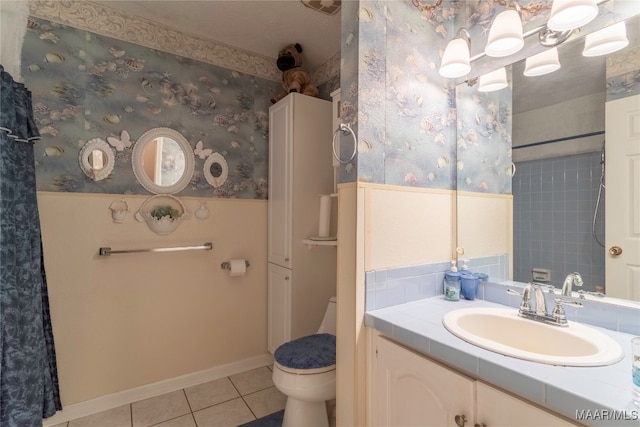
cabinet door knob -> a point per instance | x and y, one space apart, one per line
615 250
479 425
286 277
460 420
286 260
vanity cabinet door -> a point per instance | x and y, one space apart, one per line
410 390
495 408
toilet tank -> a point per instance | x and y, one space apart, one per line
328 324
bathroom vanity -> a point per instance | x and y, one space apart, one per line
424 375
411 389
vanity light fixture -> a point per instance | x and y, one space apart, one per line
606 40
542 63
495 80
455 60
505 36
571 14
551 38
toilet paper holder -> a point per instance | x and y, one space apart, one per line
227 265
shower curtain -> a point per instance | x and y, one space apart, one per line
28 375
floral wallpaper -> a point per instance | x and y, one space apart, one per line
623 73
624 85
420 104
88 86
349 48
405 112
413 128
484 130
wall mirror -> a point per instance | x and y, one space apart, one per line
96 159
163 161
559 144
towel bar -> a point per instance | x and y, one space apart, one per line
106 251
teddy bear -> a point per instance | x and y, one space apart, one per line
294 78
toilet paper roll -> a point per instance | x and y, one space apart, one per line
238 267
325 216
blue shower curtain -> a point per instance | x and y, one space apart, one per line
28 375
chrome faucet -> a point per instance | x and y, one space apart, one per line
557 316
541 306
573 279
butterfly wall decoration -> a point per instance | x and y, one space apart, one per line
120 143
200 152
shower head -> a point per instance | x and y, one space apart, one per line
602 153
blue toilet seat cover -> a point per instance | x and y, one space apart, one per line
310 352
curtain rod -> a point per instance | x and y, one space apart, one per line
566 138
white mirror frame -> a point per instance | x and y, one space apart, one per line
138 170
85 165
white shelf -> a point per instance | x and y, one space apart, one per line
310 242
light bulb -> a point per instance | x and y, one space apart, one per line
455 60
606 40
505 35
493 81
542 63
570 14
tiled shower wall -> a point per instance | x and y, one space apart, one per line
554 203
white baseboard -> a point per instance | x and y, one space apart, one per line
93 406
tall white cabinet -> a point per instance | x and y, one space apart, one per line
301 277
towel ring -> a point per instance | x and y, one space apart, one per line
344 128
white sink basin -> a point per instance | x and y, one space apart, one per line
502 331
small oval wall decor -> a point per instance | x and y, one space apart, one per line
96 159
216 170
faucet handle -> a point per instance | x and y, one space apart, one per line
582 294
525 305
560 301
512 292
558 313
550 288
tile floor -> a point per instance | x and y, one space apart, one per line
229 401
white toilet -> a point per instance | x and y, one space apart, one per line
305 371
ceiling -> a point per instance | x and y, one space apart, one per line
259 26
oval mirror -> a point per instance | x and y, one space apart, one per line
163 161
96 159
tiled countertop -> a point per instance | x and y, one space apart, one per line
562 389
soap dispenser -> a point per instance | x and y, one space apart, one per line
452 283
